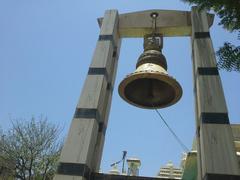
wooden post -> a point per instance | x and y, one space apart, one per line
82 149
215 139
107 104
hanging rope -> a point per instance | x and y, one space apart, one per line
173 133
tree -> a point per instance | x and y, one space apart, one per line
229 13
31 148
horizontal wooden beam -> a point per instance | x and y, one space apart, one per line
101 176
169 23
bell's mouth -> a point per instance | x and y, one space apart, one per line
150 90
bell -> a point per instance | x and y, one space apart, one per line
150 86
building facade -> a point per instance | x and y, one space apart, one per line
170 172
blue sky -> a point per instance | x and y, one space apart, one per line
45 49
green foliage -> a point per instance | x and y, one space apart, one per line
229 13
32 148
227 10
229 57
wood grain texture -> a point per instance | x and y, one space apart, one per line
103 54
93 92
217 152
169 23
210 95
80 145
64 177
110 25
203 49
107 106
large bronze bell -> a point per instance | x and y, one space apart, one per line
150 86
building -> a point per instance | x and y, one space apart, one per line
170 172
133 166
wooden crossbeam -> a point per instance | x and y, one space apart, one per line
101 176
169 23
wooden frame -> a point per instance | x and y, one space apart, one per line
82 151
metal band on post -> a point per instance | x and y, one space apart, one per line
214 118
101 71
107 37
91 114
200 35
74 169
98 71
221 177
87 113
207 71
